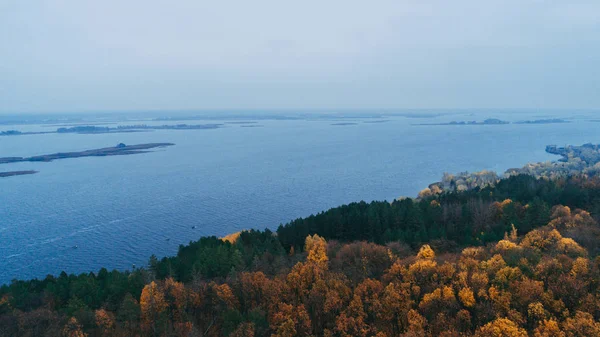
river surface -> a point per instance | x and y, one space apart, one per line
81 214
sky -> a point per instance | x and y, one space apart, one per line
88 55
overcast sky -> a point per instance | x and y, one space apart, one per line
103 55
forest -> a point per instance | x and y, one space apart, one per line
514 258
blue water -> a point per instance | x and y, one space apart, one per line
119 210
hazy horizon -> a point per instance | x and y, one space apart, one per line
67 56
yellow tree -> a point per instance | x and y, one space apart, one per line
152 305
548 328
501 327
291 321
316 247
426 253
176 297
466 296
396 302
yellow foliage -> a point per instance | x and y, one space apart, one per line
466 296
536 311
152 303
580 267
548 328
420 266
541 239
506 202
448 294
232 238
422 271
569 247
424 193
507 274
426 253
501 327
226 295
440 296
494 264
316 247
505 245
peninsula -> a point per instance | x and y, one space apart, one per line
16 173
119 150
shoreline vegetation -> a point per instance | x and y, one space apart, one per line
494 121
584 159
474 255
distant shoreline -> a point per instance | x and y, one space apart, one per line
493 121
91 129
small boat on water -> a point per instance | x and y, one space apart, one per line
193 227
75 247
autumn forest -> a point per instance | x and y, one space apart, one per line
514 258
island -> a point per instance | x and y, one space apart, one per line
344 124
495 121
92 129
10 133
119 150
544 121
16 173
489 121
19 133
241 122
135 128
